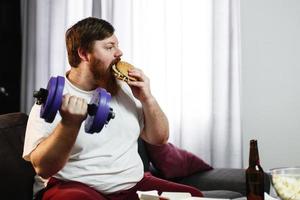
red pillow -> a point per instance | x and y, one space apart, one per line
174 162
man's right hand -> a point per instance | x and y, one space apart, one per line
73 110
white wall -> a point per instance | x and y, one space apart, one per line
271 80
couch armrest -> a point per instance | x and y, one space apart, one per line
221 179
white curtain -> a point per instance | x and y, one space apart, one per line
226 149
188 48
44 24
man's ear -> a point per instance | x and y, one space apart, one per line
83 54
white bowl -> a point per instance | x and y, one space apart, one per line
286 182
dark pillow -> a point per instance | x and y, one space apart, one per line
173 162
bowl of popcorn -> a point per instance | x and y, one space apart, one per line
286 182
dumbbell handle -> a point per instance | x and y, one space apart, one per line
42 94
92 110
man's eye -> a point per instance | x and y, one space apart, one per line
109 48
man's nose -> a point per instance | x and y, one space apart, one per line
118 53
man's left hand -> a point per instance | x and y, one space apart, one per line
141 87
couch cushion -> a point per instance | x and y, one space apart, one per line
173 162
16 174
218 178
221 178
223 194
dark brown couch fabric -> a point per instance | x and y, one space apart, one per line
16 174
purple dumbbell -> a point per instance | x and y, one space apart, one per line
50 99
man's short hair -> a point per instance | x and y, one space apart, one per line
83 35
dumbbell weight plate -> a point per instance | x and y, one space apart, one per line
53 102
95 122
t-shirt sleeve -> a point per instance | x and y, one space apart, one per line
36 131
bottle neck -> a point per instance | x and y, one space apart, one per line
253 156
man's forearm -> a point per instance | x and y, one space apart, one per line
51 154
156 130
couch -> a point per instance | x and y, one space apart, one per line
17 175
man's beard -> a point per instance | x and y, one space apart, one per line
104 78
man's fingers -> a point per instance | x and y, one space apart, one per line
137 73
74 104
136 83
65 100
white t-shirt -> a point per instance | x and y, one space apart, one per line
107 161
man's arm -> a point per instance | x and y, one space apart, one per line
52 153
156 125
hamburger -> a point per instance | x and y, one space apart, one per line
120 71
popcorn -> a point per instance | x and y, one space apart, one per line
287 186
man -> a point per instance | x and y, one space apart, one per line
75 165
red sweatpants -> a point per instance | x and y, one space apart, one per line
62 190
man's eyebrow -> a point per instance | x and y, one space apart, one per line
113 43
